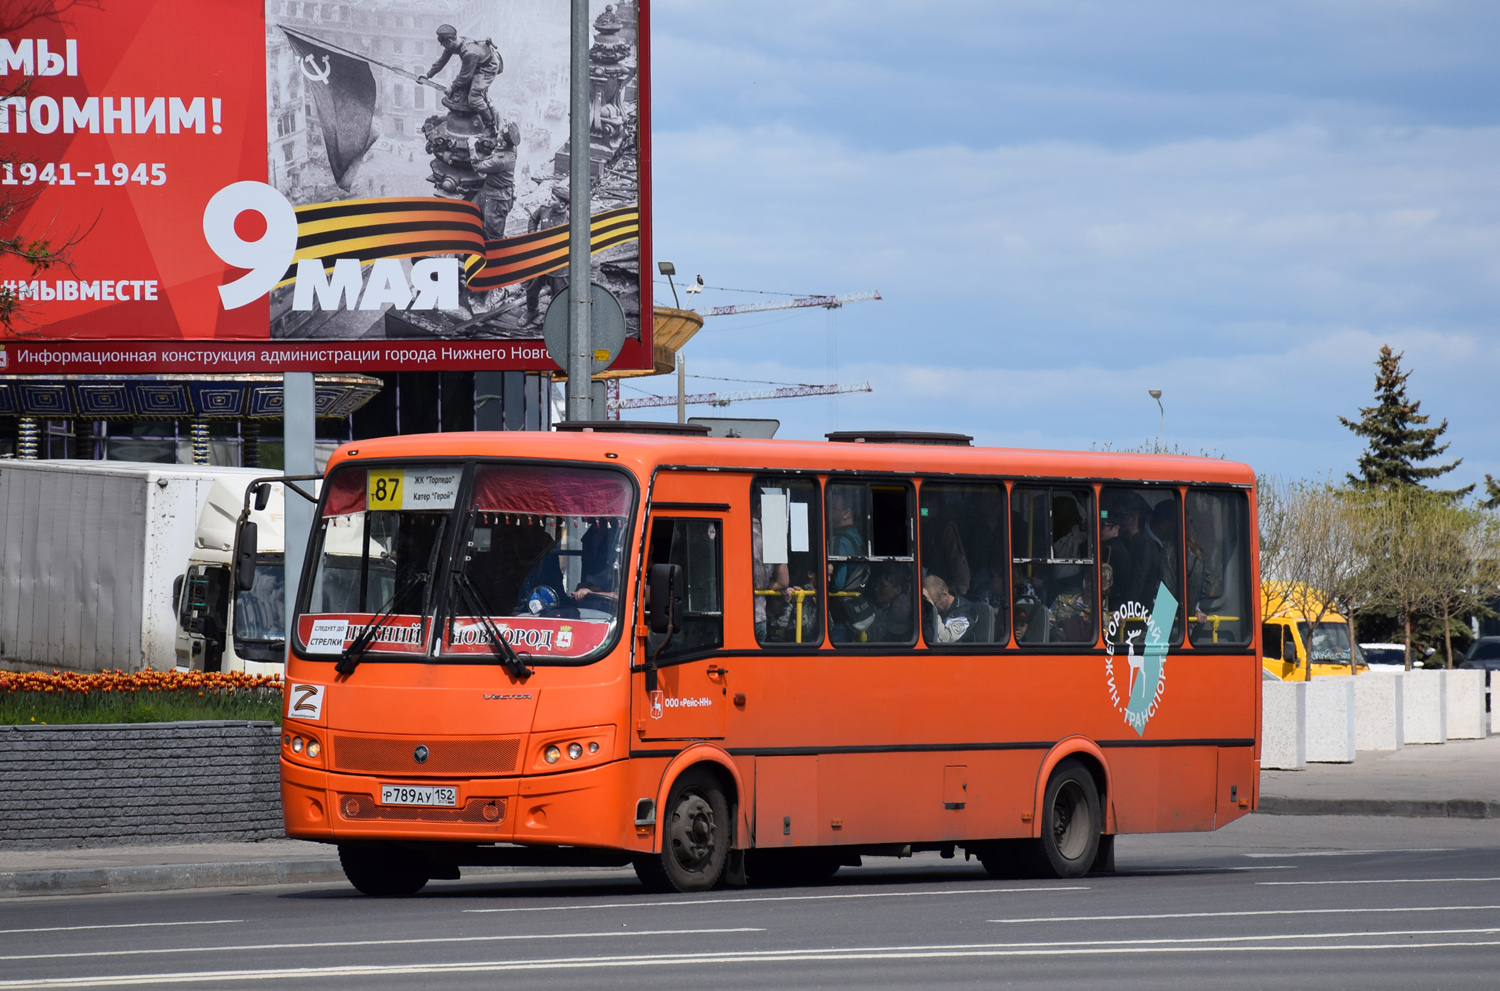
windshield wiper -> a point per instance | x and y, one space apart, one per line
356 650
481 612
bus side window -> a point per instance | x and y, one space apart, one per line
871 563
1053 566
1140 555
1217 600
696 545
963 547
786 562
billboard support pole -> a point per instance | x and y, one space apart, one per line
299 400
580 292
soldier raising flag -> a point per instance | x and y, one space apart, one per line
478 65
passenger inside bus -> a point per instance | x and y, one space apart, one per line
786 560
963 543
891 592
1054 563
955 618
599 565
1217 524
852 611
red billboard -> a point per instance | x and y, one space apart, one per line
293 185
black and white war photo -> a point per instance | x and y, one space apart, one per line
370 104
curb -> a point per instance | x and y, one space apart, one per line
104 880
1453 808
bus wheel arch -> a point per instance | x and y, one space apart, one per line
695 831
713 760
1087 753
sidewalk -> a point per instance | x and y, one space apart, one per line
1456 780
164 868
1459 779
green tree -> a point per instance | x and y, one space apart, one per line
1491 498
1397 438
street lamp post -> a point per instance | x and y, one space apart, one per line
1161 429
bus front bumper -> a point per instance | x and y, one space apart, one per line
586 807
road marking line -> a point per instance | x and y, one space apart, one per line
1391 880
778 898
1233 915
1346 853
375 942
121 925
699 959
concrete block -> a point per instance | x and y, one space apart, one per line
1330 720
1425 702
1465 698
1283 734
1378 718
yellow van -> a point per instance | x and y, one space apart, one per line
1288 638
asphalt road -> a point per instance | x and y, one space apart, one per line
1269 902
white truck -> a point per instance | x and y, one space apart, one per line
115 564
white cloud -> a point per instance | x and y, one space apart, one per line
1032 293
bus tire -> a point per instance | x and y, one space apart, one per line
382 870
695 837
1071 820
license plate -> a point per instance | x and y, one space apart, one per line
410 795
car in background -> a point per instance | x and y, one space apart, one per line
1384 654
1483 654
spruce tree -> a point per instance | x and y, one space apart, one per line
1398 440
1491 498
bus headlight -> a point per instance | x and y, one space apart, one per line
296 744
575 751
551 755
314 748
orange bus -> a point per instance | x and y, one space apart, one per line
731 661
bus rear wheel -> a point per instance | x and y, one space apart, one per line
695 837
1071 820
382 870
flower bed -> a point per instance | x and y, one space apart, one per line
62 697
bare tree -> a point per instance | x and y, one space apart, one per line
1465 565
1310 551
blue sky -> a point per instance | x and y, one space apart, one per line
1065 204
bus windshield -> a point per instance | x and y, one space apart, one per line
538 559
1329 642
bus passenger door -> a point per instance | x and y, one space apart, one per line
690 700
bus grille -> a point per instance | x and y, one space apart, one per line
363 808
445 756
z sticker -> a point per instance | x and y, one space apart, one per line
304 702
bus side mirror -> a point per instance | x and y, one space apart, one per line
244 556
262 497
664 598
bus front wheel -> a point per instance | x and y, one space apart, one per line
695 837
1071 820
382 870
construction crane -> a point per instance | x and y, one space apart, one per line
827 302
725 398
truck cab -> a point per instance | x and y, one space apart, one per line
1290 639
219 626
